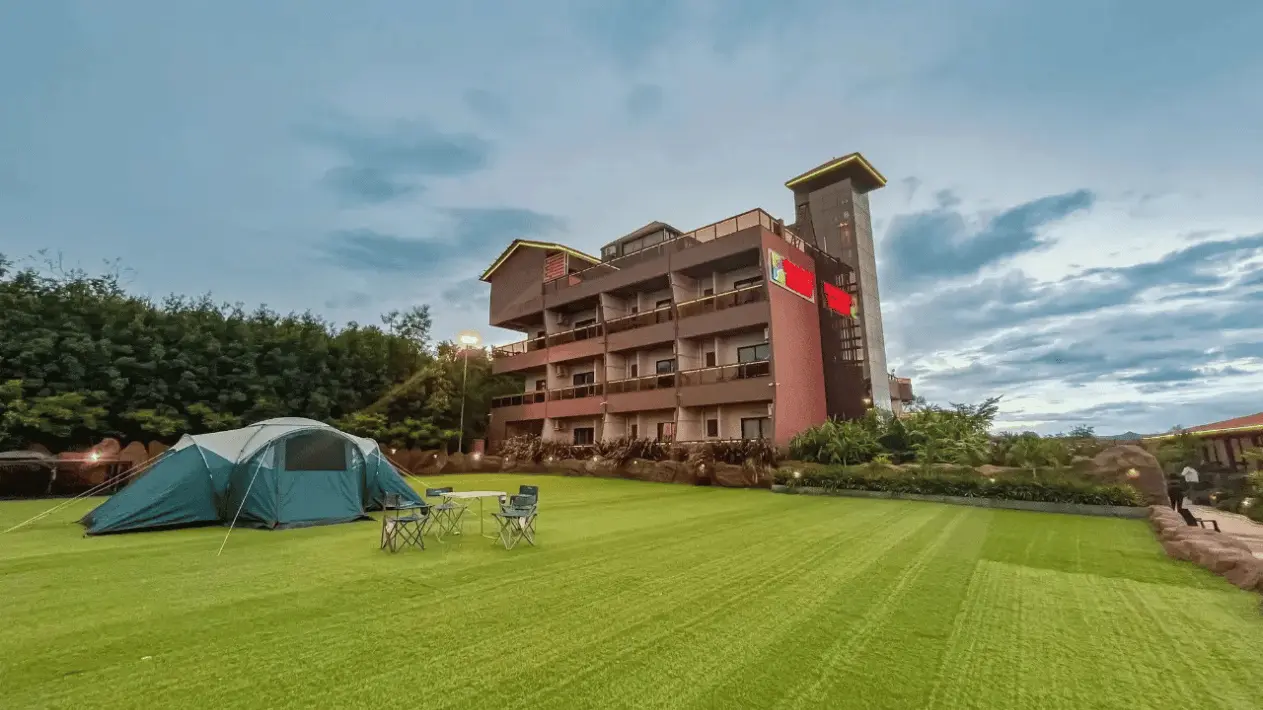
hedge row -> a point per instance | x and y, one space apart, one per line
965 485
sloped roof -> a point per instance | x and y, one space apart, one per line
529 244
853 165
1246 422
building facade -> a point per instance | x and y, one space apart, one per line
745 328
1223 444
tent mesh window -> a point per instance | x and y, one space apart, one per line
315 452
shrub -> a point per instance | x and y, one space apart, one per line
759 452
835 441
967 485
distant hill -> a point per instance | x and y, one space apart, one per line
1128 436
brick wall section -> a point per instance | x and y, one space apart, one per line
796 360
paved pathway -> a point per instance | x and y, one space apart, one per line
1233 524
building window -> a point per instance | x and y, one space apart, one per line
635 431
712 428
585 322
756 428
540 385
584 378
710 359
584 436
635 310
742 283
665 367
664 303
753 353
708 292
666 431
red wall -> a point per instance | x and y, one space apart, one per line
797 365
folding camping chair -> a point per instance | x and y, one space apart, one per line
403 523
517 521
447 515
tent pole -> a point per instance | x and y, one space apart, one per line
244 498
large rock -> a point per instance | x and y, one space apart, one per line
733 476
1112 466
1246 576
1178 549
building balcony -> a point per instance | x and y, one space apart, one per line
714 241
741 382
638 329
575 344
731 310
517 400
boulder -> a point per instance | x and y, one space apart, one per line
1248 576
488 462
133 454
569 467
638 470
1112 466
670 472
1178 549
1221 560
731 476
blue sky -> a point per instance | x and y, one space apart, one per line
1073 218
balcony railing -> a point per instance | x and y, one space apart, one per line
725 373
647 383
522 346
639 320
576 392
722 301
716 230
514 400
587 332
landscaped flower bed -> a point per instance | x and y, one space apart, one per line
962 483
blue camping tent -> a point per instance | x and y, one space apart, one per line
277 473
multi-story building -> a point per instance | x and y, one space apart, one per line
745 328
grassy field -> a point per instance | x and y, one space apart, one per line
639 595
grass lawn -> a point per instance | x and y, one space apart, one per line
639 595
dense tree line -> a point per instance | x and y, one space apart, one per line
82 359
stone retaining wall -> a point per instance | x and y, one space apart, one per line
1220 553
1111 511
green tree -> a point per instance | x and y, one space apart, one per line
1178 450
92 360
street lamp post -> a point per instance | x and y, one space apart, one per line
468 339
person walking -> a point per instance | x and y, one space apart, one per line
1175 490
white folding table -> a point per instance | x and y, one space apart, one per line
480 495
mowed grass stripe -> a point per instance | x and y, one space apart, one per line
639 595
261 625
269 608
721 664
699 632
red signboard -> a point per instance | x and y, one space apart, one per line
791 276
838 300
